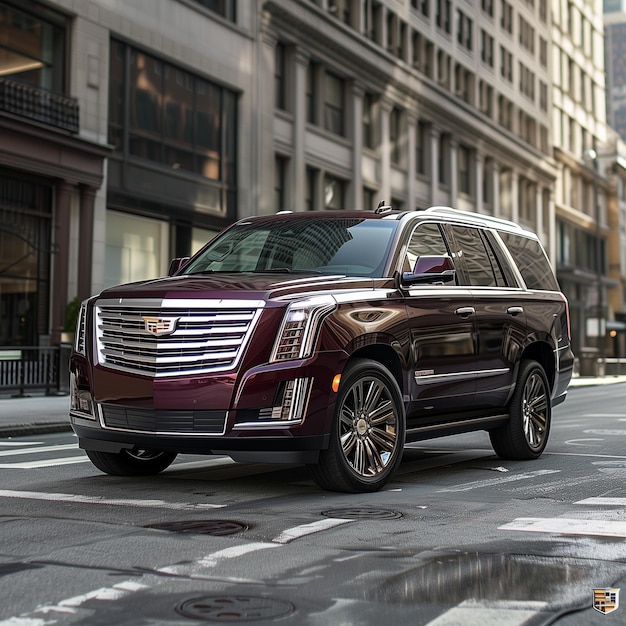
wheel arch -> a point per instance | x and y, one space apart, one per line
385 355
541 352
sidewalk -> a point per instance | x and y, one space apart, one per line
36 414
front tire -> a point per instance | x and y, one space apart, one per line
525 435
134 462
367 437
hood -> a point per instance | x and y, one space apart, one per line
245 286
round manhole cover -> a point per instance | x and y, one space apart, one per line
359 513
234 608
205 527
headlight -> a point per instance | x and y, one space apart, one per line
81 324
299 328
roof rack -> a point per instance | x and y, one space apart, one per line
476 216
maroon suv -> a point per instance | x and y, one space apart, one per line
328 339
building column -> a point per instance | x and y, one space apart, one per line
298 191
479 172
355 192
85 240
539 216
496 208
411 158
454 172
514 196
434 165
384 151
61 247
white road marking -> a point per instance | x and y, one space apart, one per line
489 614
564 526
65 446
308 529
606 432
603 502
67 460
16 444
68 497
477 484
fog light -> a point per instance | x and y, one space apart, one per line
290 405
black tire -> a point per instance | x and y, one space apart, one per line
135 462
525 435
367 436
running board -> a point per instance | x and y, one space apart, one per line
459 426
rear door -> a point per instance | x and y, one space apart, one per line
500 313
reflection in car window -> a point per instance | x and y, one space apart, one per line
475 258
426 240
353 247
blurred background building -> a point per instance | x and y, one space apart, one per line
134 130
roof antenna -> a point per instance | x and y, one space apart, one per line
382 207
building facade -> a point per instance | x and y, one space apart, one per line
187 114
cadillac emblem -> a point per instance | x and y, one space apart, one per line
160 326
605 600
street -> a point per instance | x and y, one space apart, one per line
458 537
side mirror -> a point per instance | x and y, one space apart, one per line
177 264
430 270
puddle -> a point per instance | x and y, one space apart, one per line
453 578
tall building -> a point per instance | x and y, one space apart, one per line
140 128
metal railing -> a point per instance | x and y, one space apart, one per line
30 368
40 105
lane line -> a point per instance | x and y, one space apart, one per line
68 460
498 613
565 526
603 501
308 529
478 484
75 498
65 446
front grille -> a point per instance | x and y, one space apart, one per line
174 337
159 421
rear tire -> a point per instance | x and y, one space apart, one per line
133 462
367 436
525 435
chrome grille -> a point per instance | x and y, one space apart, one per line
174 337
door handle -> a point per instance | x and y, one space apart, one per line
465 311
515 310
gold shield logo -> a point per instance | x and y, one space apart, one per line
605 600
159 326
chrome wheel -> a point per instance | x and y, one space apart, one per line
367 435
525 434
535 411
368 427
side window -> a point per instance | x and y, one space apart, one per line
471 252
532 261
501 260
425 240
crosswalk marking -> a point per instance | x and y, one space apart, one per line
477 484
64 446
603 502
566 526
489 614
68 460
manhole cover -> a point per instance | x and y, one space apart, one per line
216 528
357 513
234 608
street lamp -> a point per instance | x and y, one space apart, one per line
592 156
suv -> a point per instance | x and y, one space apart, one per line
328 339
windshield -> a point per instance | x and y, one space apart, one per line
354 247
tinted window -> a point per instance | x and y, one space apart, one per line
531 261
425 240
472 254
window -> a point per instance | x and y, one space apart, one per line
310 199
426 240
368 121
487 7
395 136
532 261
225 8
506 20
476 263
172 117
506 64
280 91
422 144
444 159
280 179
464 30
334 192
32 48
443 15
486 48
465 162
369 198
311 78
333 103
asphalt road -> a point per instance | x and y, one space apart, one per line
460 537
